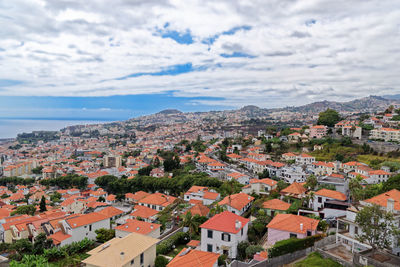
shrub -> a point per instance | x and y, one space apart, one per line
167 245
161 261
222 259
292 244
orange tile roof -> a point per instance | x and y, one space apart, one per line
381 199
194 258
276 204
237 201
198 209
110 212
295 188
143 212
158 199
140 227
86 219
225 222
193 243
291 223
331 194
211 195
58 237
378 172
266 181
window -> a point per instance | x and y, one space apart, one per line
209 248
319 199
90 227
226 237
241 231
142 258
209 233
293 235
308 233
356 230
132 262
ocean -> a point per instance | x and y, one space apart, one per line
9 128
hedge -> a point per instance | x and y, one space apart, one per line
292 244
177 239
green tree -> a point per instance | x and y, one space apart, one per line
43 205
253 249
188 221
145 171
55 197
241 250
328 117
377 227
311 182
27 209
356 189
103 234
41 243
161 261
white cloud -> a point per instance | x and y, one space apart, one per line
78 48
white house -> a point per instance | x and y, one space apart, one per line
202 193
237 203
223 232
260 186
85 225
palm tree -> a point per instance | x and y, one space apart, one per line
188 221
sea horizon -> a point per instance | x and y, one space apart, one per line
11 127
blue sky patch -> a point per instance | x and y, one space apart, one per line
237 54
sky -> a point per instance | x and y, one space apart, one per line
123 58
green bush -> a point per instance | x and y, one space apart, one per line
291 245
222 260
161 261
168 245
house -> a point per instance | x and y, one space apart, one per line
144 213
305 159
324 168
388 201
134 198
318 131
140 227
237 203
275 206
157 201
201 193
351 166
188 257
289 156
330 203
295 190
85 225
74 205
60 239
352 131
223 232
285 226
240 177
385 134
120 252
260 186
111 212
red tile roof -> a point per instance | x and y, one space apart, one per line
191 258
276 204
292 223
237 201
225 222
331 194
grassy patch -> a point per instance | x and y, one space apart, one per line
316 260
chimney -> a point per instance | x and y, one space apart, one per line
137 228
238 224
301 227
122 255
151 227
390 205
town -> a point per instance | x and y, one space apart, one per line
233 188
